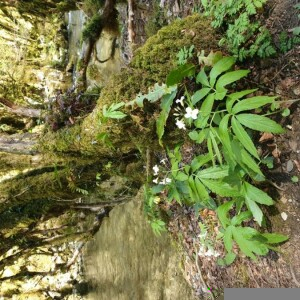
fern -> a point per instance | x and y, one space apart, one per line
244 36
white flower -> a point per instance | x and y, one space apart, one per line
165 181
191 113
209 252
155 169
180 124
155 180
163 161
180 100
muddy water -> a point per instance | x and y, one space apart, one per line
126 261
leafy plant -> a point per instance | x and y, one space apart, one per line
221 121
184 54
244 35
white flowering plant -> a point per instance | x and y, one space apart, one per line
220 121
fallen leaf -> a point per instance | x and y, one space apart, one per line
266 137
276 153
297 164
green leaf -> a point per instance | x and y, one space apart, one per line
224 133
252 193
238 219
199 161
236 96
155 93
228 238
275 238
181 176
222 212
245 245
286 112
198 137
252 103
205 111
215 146
202 193
229 258
221 66
250 162
256 211
243 136
176 76
166 104
259 123
192 189
116 106
213 172
230 77
202 78
115 115
200 94
221 188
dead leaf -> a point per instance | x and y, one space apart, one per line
276 153
297 164
293 145
266 137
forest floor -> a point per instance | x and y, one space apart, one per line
279 76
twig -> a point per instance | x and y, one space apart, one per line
201 277
294 276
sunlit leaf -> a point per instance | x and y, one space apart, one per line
213 172
222 212
221 66
221 188
274 238
243 137
252 103
236 96
199 95
255 210
230 77
259 123
202 78
253 193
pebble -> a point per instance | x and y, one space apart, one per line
283 200
289 166
284 216
290 200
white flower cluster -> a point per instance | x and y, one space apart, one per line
189 113
208 253
165 181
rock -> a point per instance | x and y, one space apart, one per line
289 166
284 216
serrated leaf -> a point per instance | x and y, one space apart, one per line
221 66
275 238
202 193
155 93
181 176
259 123
220 188
213 172
236 96
250 162
166 104
205 111
243 137
116 106
199 161
256 211
200 136
222 212
253 193
228 238
215 146
252 103
202 78
115 115
192 189
245 245
224 132
200 94
238 219
229 258
176 76
230 77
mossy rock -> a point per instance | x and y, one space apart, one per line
151 63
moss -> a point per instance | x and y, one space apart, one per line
93 28
93 72
151 63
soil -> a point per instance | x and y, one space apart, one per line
278 76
